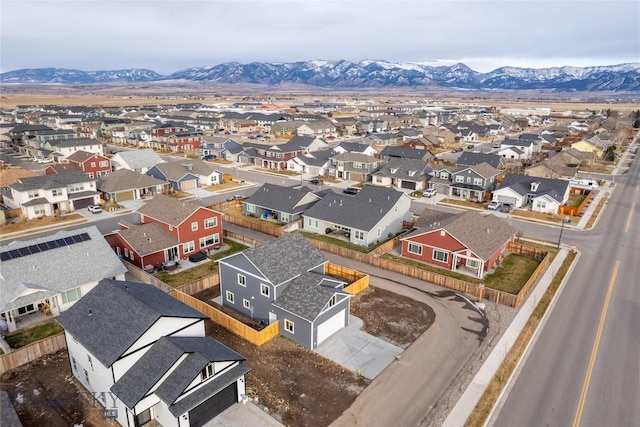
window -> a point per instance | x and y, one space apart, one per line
477 181
242 280
73 364
440 255
131 256
56 192
357 165
358 234
194 226
288 325
90 360
211 222
459 178
246 303
414 249
264 289
444 175
86 377
126 252
472 263
71 296
76 187
104 163
188 247
333 300
93 164
229 296
208 371
32 194
541 204
26 309
38 210
312 223
209 240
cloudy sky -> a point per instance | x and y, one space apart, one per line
167 36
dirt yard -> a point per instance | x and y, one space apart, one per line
45 393
300 387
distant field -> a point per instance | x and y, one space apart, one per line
175 93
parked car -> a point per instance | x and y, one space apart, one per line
470 146
197 257
494 204
633 149
44 161
94 209
236 197
496 145
208 157
36 159
457 150
506 207
429 192
316 181
351 190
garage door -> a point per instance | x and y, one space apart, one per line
410 185
82 203
509 200
212 407
330 326
188 185
125 195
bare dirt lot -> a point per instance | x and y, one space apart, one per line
45 393
301 388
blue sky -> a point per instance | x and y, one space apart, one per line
168 36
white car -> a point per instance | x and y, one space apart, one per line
44 161
94 209
429 192
494 205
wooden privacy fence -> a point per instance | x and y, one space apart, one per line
237 327
533 279
575 211
144 277
357 280
200 284
31 352
254 225
246 240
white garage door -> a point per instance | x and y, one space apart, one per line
330 326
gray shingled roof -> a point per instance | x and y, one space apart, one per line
176 170
521 184
114 314
355 157
361 212
282 199
47 182
125 179
284 258
163 355
468 158
56 270
139 159
148 238
305 297
73 142
317 158
403 167
404 152
169 209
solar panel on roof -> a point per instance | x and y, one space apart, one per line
34 249
14 253
24 251
4 256
69 240
42 247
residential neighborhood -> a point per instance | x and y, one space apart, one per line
218 242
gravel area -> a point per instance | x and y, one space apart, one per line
500 317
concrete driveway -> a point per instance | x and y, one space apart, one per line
244 414
358 351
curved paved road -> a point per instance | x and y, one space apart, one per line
584 368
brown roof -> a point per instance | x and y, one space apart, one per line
82 156
12 175
63 168
148 238
169 210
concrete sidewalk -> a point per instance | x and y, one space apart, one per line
467 402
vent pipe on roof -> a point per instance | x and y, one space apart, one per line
90 312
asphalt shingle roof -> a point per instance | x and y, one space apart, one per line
99 318
148 238
304 296
283 199
174 171
284 258
521 184
406 169
125 179
470 159
169 209
139 159
47 182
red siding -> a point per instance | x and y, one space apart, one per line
429 242
92 165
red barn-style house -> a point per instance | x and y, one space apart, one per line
171 230
469 243
94 165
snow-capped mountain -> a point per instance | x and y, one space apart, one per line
365 74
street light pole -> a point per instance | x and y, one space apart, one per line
561 228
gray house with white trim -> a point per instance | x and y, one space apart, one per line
285 280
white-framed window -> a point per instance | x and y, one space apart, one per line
90 360
288 325
32 194
39 210
104 163
459 178
194 226
541 204
209 240
472 263
76 187
93 164
126 252
358 235
477 181
73 364
208 371
249 207
246 303
242 280
229 296
55 192
312 222
188 247
86 377
211 222
131 256
440 255
414 249
357 165
71 295
468 180
333 300
90 175
264 289
444 175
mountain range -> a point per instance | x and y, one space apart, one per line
341 74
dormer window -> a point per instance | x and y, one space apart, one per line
208 371
534 186
394 170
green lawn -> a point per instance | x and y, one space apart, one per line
27 336
343 243
202 270
512 274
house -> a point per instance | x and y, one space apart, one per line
353 166
160 367
383 139
573 157
194 227
284 279
94 165
473 182
551 168
187 174
45 195
125 184
518 148
591 145
468 242
179 142
47 275
403 173
277 156
403 152
60 149
372 215
317 163
356 147
59 168
139 161
540 194
278 203
468 158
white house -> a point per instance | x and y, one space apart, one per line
136 160
160 367
47 275
544 195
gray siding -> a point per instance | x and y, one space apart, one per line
340 305
301 331
251 292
